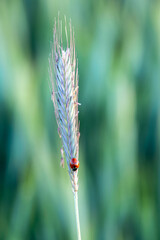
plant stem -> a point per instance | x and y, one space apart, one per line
77 214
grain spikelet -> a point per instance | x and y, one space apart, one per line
63 70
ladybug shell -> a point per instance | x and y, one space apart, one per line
74 164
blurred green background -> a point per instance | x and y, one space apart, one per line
118 49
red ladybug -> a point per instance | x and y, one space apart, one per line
74 164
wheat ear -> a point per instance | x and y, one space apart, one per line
63 70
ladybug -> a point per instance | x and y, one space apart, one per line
74 164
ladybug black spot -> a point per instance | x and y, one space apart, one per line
74 169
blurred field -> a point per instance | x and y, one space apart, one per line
118 50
